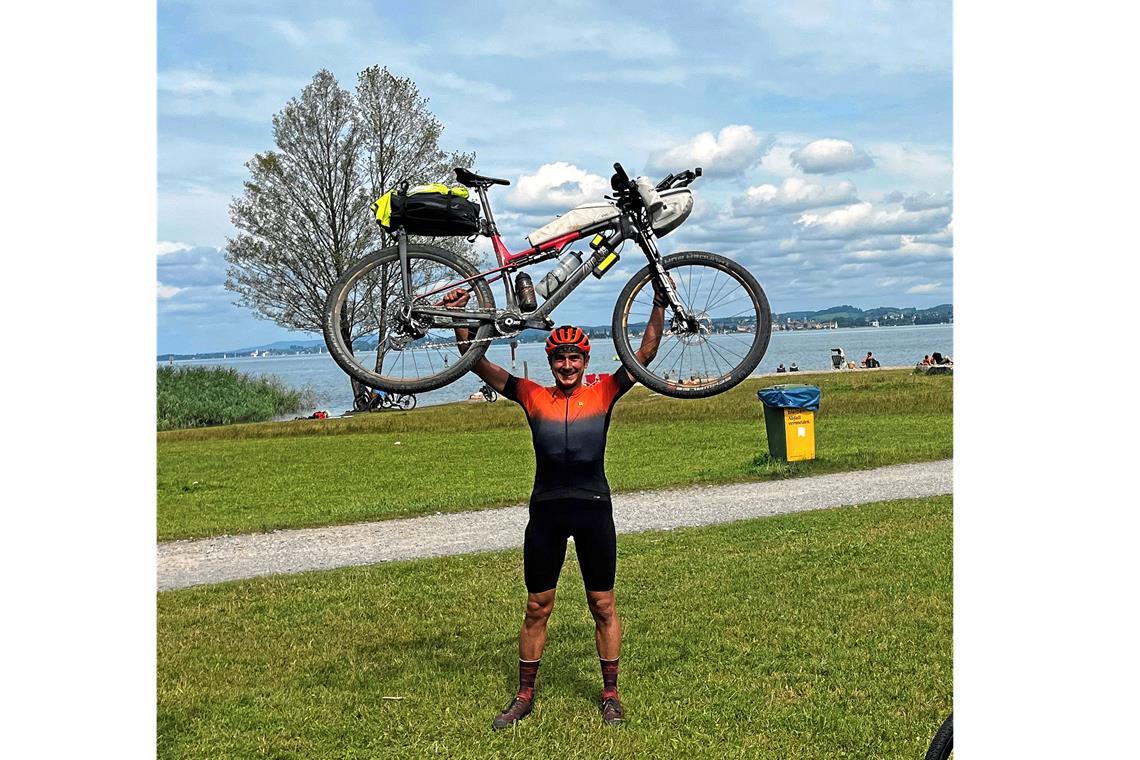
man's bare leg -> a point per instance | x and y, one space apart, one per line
532 639
607 635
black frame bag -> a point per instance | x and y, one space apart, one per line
431 210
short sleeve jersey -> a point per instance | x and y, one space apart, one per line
569 434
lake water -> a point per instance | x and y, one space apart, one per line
810 349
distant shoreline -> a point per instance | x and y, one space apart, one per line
276 353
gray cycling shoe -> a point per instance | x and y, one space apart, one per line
612 711
518 709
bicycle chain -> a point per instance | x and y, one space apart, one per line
468 342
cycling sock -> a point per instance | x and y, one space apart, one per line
609 677
528 671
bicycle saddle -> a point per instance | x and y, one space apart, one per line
471 179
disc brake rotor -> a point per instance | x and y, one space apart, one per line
697 330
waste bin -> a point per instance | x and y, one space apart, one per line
789 418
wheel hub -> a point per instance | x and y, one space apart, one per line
695 330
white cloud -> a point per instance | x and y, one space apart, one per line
478 91
731 151
863 219
928 166
778 161
166 292
793 194
557 187
167 246
926 287
539 31
186 82
828 156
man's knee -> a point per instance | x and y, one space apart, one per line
538 608
603 607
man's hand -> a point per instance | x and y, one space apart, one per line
456 299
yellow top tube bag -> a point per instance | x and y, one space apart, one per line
434 210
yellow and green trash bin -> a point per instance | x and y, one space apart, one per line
789 418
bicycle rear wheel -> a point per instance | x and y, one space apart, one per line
369 336
721 347
407 402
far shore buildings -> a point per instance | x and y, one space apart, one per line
796 324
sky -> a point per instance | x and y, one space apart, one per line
824 130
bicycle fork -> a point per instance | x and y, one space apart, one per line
680 312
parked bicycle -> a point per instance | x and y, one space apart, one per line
372 400
489 393
718 322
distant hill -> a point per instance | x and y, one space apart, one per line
853 316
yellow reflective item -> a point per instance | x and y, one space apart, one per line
440 188
383 208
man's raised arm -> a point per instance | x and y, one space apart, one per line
651 339
492 374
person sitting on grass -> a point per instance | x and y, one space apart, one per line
869 361
781 368
939 360
926 360
793 368
571 496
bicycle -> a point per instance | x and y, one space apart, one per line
489 393
717 326
370 400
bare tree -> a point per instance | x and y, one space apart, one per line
401 143
304 217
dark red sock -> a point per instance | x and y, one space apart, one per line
609 678
528 671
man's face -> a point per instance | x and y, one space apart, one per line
569 369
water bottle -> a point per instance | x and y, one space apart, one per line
524 289
555 277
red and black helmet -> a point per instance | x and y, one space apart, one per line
567 339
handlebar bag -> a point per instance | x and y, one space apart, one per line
678 206
434 210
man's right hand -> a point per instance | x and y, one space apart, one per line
456 299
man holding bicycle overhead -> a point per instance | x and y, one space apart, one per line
571 496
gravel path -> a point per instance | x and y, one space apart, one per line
227 558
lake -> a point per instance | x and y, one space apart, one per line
810 349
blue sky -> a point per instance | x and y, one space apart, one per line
824 130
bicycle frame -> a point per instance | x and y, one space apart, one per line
605 237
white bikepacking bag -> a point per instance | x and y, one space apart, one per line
678 206
574 220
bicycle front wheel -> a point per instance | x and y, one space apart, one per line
370 335
719 347
407 402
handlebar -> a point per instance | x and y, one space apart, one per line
620 181
641 193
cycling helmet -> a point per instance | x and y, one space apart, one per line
567 339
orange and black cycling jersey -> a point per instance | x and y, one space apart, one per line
569 434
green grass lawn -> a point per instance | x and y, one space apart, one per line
258 477
816 635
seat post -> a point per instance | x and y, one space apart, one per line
482 190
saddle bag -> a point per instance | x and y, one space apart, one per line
434 210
